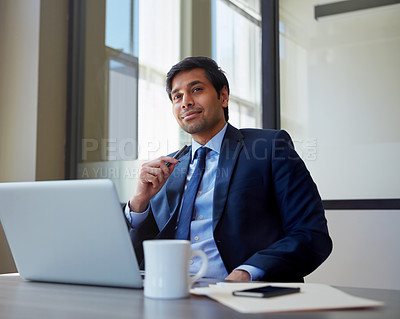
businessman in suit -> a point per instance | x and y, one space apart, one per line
256 212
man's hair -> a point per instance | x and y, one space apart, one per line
213 73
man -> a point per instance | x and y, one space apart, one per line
257 213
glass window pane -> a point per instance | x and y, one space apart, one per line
339 94
159 33
118 25
159 49
238 52
122 114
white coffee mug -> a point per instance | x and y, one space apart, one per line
167 268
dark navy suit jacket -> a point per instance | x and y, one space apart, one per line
267 211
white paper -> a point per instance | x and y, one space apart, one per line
311 297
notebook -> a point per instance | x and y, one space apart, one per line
69 232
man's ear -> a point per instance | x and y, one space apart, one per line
224 96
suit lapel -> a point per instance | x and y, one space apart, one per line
176 182
230 150
166 202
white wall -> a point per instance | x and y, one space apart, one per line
33 74
365 252
19 48
19 64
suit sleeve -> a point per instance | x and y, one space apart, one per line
147 229
306 243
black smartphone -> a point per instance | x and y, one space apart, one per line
266 291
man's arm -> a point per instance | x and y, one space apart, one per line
152 178
273 218
305 242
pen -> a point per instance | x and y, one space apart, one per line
177 154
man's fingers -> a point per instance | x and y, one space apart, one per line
165 169
168 161
153 167
156 172
154 175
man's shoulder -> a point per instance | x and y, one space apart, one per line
257 132
270 134
248 135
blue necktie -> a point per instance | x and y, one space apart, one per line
187 207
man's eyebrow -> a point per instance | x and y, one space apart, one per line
190 84
193 83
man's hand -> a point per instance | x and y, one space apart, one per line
152 177
239 275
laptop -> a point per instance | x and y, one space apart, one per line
70 231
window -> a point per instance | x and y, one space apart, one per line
339 84
159 49
237 49
120 52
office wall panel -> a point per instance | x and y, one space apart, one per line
19 50
365 251
33 64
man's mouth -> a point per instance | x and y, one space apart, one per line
190 114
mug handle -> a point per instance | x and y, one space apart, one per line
203 268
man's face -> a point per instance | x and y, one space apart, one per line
196 106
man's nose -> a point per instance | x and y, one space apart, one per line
187 101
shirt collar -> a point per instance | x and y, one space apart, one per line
214 144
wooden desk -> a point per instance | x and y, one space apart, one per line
21 299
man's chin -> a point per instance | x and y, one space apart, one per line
193 128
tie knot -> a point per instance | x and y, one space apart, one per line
202 152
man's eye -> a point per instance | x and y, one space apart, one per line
197 89
177 96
